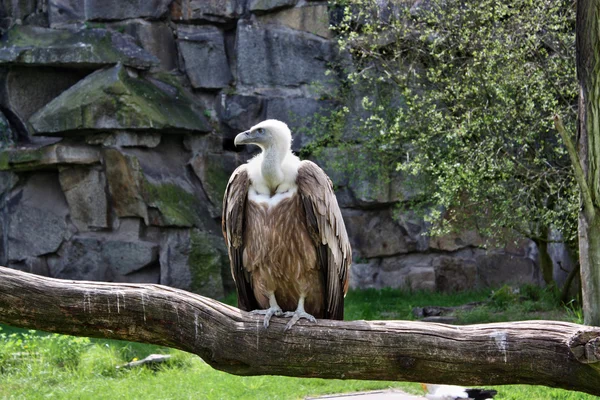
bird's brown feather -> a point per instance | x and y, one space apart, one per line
298 246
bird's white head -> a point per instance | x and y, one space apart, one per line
267 134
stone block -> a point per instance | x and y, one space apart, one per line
102 259
312 19
155 37
125 184
453 274
125 139
270 5
36 218
497 269
192 260
376 233
238 113
221 11
111 99
202 49
85 48
214 170
24 90
457 240
32 158
265 54
299 114
32 265
106 10
85 191
63 13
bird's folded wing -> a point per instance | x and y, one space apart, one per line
327 229
234 208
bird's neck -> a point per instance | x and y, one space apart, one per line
271 167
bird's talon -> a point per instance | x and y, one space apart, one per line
268 313
296 316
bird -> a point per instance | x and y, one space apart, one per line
288 246
451 392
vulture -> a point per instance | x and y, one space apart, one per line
288 246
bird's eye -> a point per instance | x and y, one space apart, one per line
260 131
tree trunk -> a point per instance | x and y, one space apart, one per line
588 72
545 260
550 353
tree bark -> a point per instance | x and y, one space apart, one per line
550 353
588 73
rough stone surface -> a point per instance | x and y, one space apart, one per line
105 10
203 51
456 240
100 259
171 190
376 233
174 258
454 274
7 136
207 10
298 113
37 218
238 113
154 37
270 5
213 170
30 45
125 183
36 158
85 190
19 9
495 270
111 99
208 257
32 265
265 54
561 259
125 139
23 91
411 271
191 260
312 19
65 12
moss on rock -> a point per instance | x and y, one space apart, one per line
205 263
87 47
112 99
30 159
177 207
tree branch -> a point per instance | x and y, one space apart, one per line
550 353
588 203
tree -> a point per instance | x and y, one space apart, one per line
550 353
460 97
586 159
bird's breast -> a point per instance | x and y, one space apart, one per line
268 200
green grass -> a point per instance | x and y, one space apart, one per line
36 365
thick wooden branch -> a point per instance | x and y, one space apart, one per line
547 353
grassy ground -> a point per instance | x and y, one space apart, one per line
34 365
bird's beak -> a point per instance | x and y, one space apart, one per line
242 138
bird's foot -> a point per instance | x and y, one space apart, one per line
296 316
268 313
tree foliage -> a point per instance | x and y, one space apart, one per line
459 96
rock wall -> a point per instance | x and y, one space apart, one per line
118 120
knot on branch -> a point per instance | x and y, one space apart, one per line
585 346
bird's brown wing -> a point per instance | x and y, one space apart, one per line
234 210
327 229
